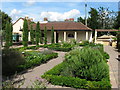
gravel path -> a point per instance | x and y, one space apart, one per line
31 75
113 65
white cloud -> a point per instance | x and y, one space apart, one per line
15 13
30 2
55 16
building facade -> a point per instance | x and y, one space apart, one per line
63 30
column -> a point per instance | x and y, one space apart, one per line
29 36
76 36
90 36
86 35
55 36
64 36
95 36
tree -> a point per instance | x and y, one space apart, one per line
52 35
117 21
25 33
80 19
40 36
5 18
45 35
7 36
37 33
93 21
31 34
11 36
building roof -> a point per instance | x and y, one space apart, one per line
106 30
63 25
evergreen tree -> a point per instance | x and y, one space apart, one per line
45 35
37 33
11 36
80 19
31 34
25 33
40 36
117 22
52 35
7 36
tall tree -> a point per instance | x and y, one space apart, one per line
7 36
11 36
117 22
25 33
40 36
5 18
93 20
37 33
31 34
80 19
52 35
45 35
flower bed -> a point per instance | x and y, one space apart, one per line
82 68
15 61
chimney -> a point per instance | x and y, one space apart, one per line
26 17
45 19
71 19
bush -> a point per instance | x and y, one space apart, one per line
66 81
82 68
10 60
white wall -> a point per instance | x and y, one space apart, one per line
17 26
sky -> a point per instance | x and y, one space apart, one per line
54 11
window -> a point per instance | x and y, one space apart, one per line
70 35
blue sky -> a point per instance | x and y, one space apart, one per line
55 11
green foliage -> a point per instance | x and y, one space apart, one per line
45 35
82 68
25 33
66 81
36 58
117 21
118 41
7 35
52 35
10 60
58 47
11 36
93 21
5 19
40 36
32 34
84 43
37 33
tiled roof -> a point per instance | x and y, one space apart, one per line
65 25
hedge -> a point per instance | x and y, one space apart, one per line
75 82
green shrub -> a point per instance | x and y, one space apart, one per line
36 58
66 81
10 60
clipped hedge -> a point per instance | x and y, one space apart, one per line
76 82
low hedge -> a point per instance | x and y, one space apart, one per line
75 82
64 49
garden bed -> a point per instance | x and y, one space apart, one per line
84 68
15 61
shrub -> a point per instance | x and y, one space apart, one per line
36 58
10 60
82 68
66 81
